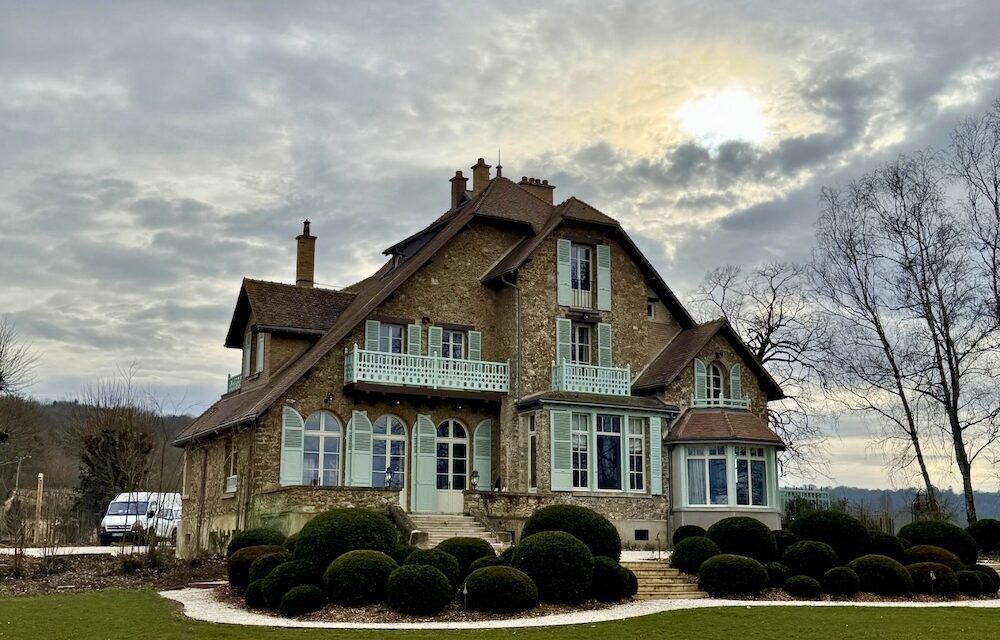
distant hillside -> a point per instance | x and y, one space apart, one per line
897 502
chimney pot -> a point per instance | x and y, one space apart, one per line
537 187
305 257
480 175
459 184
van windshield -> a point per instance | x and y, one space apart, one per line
127 508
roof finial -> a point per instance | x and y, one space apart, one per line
305 227
499 167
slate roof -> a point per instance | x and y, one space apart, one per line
711 425
277 306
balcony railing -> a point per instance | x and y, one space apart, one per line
720 403
231 482
234 382
586 378
431 372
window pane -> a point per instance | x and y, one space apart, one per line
742 482
458 483
458 449
442 481
443 431
717 484
532 463
310 444
696 481
442 465
331 444
609 462
330 477
758 482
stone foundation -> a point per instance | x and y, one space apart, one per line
705 518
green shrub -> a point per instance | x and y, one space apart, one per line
691 552
944 535
930 553
970 582
633 583
933 578
290 541
258 537
886 544
466 551
802 587
489 561
500 590
253 596
882 575
732 575
418 589
561 566
443 562
777 573
301 600
985 584
285 577
507 555
841 581
332 533
991 574
783 538
358 577
687 531
986 533
743 536
588 526
238 565
809 558
265 563
402 552
610 582
848 537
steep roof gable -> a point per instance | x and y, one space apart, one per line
277 306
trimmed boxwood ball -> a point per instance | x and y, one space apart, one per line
561 566
500 590
783 538
990 573
257 537
489 561
687 531
466 551
943 583
337 531
743 536
238 565
691 552
841 581
986 533
266 563
301 600
985 584
930 553
809 558
882 575
633 583
969 582
732 575
944 535
802 587
507 554
848 537
402 552
886 544
610 582
254 595
588 526
443 562
418 589
777 573
285 577
358 577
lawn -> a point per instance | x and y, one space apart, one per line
141 615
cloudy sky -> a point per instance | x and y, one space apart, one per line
153 154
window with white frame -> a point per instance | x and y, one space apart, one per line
388 451
452 344
609 452
580 343
714 381
636 454
707 480
651 308
581 275
231 465
751 476
321 447
390 338
581 450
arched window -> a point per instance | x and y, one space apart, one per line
388 451
452 456
715 378
321 450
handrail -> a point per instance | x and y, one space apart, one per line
587 378
721 403
434 372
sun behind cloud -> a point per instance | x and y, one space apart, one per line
722 116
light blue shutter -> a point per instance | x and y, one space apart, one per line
655 453
292 427
604 344
359 452
424 466
700 380
604 277
434 341
561 432
564 333
246 354
372 328
483 454
414 339
260 353
475 345
563 250
735 383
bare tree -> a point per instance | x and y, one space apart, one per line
17 360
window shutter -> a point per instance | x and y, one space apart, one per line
700 380
563 251
655 455
604 344
292 427
434 341
483 455
414 339
735 383
359 453
475 345
564 333
246 354
604 277
561 431
372 327
260 353
424 463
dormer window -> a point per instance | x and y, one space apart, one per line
715 380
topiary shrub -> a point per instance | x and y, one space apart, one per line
743 536
841 581
692 552
418 589
633 583
991 574
886 544
933 578
970 582
238 565
561 566
777 573
500 590
882 575
332 533
732 575
944 535
258 537
482 563
290 541
301 600
265 563
358 577
588 526
802 587
809 558
929 553
507 555
285 577
848 537
402 552
783 538
687 531
466 551
253 596
443 562
610 582
986 533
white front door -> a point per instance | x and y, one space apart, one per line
452 466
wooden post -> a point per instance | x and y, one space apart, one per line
38 508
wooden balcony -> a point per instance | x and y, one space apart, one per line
425 372
587 378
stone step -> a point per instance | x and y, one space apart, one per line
668 587
674 596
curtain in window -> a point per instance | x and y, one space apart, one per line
696 481
717 489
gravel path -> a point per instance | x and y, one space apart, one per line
202 604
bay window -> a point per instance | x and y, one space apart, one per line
727 475
706 475
751 476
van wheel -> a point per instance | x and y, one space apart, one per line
105 541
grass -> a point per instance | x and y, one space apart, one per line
143 615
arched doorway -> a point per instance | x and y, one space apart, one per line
389 453
452 469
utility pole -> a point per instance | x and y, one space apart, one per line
38 508
17 475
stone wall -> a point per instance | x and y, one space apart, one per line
287 509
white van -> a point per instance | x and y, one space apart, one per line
138 514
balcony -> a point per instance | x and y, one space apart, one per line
586 378
234 382
426 372
720 403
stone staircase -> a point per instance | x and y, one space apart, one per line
659 581
441 526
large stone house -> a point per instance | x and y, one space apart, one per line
513 353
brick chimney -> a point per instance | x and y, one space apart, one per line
305 257
458 186
538 188
480 175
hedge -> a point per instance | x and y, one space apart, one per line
358 577
687 531
489 561
732 575
886 544
290 541
466 551
443 562
561 566
802 587
933 578
588 526
301 600
284 578
264 564
986 533
332 533
254 538
507 555
692 552
777 573
882 575
418 589
402 552
253 596
633 582
990 573
809 558
783 538
841 581
743 536
610 582
500 590
970 582
848 537
944 535
930 553
238 565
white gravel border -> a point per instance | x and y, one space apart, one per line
202 604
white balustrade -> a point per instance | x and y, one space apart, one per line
234 383
587 378
432 372
720 403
